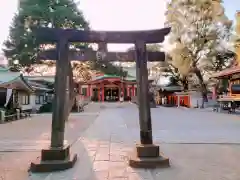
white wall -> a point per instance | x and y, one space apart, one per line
25 106
197 97
32 104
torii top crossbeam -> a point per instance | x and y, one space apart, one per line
51 35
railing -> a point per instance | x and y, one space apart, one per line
10 117
82 101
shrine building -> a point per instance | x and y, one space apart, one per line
109 88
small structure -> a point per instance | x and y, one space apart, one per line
18 92
172 95
109 88
42 94
232 75
15 88
182 99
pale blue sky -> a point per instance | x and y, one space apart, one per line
231 6
114 14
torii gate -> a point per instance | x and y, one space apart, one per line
58 157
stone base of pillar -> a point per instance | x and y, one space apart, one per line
148 156
54 159
153 105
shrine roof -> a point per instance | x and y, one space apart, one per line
13 80
16 80
49 79
171 87
39 86
227 72
110 76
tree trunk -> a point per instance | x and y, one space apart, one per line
184 82
203 87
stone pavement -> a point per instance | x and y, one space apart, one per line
104 147
201 145
21 141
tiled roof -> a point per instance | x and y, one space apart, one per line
7 79
105 76
41 78
6 76
16 80
227 72
39 86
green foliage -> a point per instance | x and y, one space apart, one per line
108 68
223 85
21 44
154 47
15 68
173 80
150 47
223 60
46 108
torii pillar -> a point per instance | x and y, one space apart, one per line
146 154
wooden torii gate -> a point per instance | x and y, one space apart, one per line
58 156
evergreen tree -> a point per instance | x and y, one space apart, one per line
109 68
21 44
149 47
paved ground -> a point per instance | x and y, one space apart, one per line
201 145
21 141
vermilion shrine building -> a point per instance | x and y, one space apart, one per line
109 88
232 74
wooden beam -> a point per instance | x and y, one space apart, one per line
89 55
51 35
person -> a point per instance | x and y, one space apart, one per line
165 100
162 100
121 98
231 107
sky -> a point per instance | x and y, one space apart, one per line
114 15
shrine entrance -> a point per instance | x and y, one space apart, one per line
109 88
111 94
